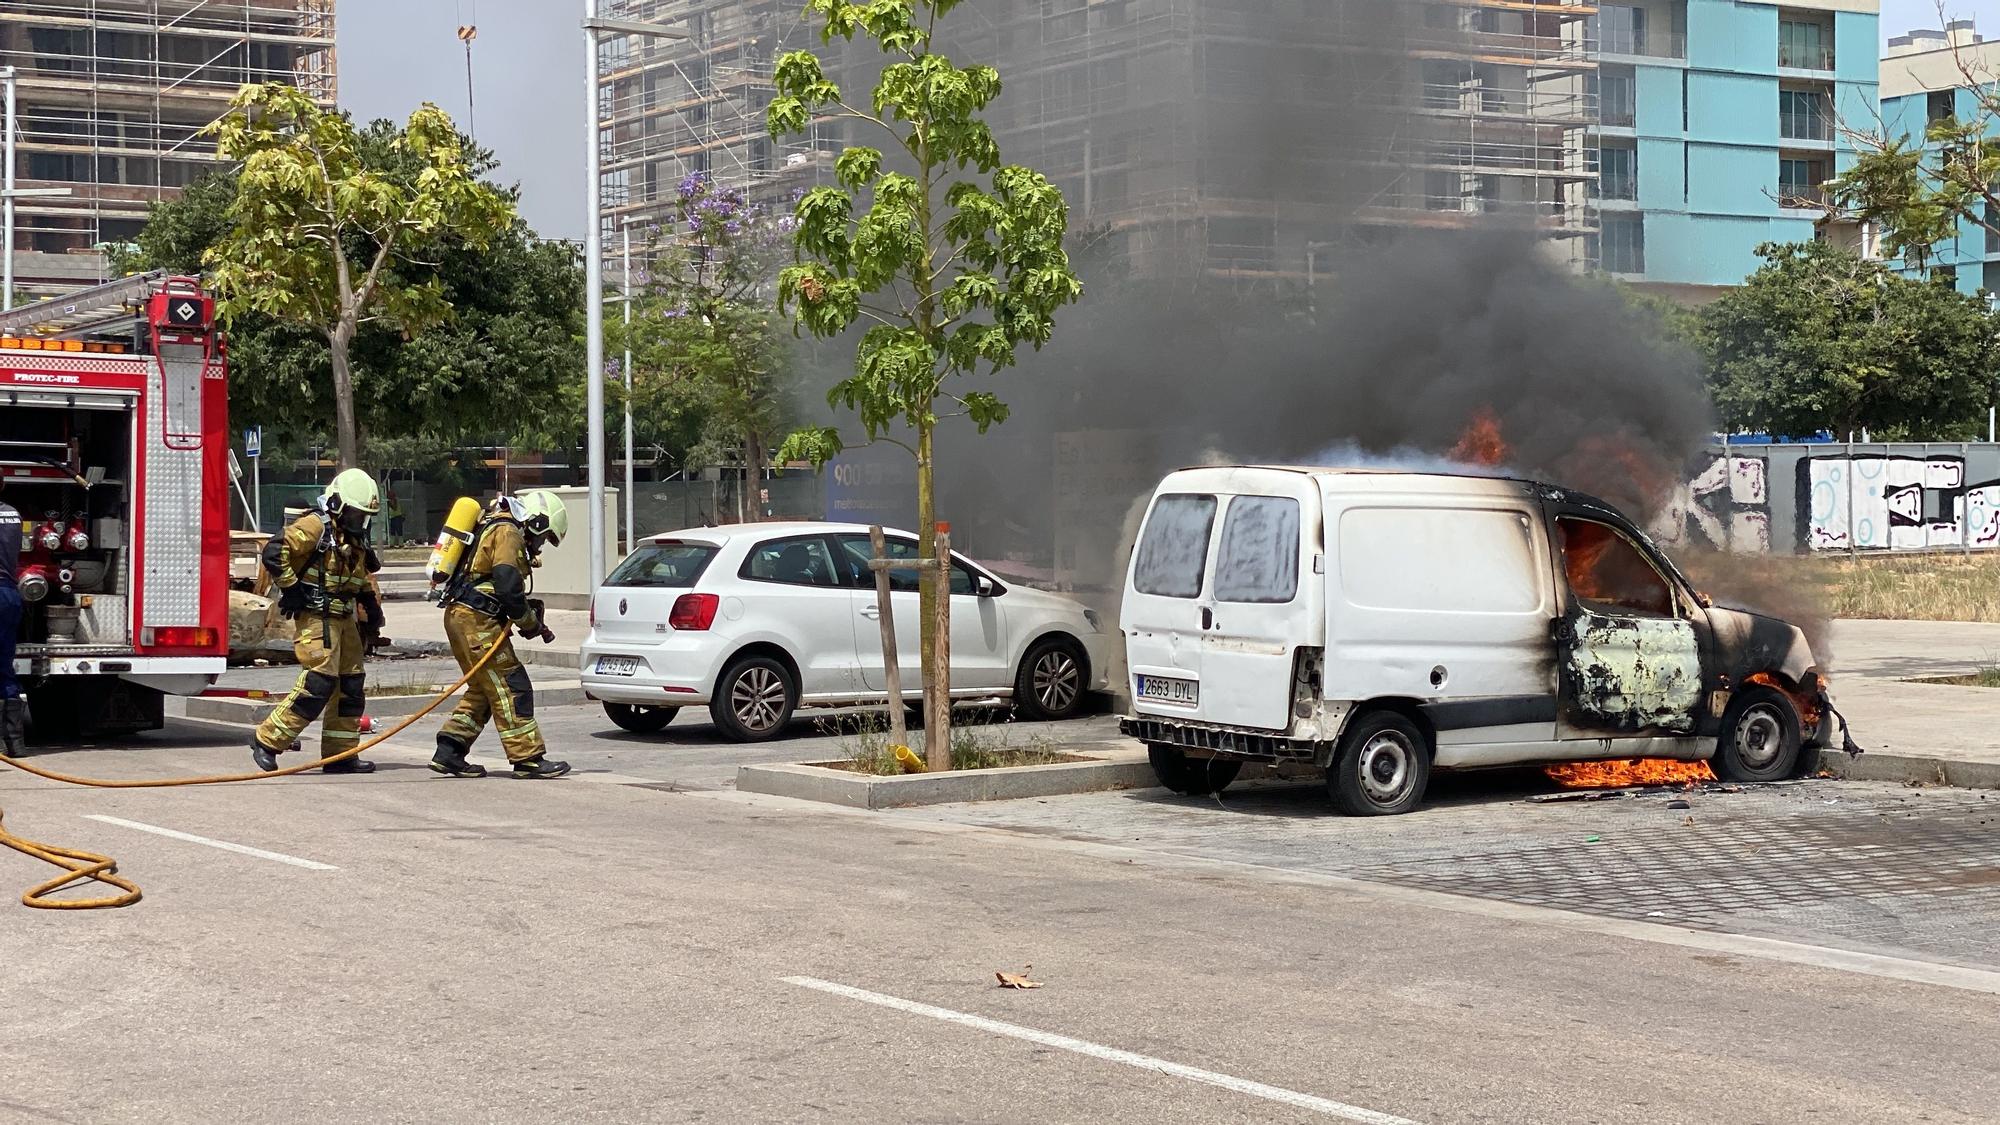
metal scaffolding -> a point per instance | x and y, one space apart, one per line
1221 138
114 95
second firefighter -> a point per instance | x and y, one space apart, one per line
484 603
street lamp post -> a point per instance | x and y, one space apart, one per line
593 256
8 192
631 528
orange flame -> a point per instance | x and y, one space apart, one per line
1481 443
1627 773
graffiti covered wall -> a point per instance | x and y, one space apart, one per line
1898 497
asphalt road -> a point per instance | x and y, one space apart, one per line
641 943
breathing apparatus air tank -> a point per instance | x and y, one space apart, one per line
460 526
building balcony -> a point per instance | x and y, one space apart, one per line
1802 197
1794 56
1641 43
1618 187
1805 127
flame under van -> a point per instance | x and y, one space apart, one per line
1382 625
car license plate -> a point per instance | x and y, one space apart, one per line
1161 689
617 665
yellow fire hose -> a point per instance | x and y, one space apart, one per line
78 865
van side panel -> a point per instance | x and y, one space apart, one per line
1447 599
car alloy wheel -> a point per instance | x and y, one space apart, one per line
757 698
1057 680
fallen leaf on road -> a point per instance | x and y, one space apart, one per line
1010 980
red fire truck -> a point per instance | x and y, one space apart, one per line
114 446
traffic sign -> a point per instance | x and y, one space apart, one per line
253 442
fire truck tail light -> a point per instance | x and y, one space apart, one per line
177 637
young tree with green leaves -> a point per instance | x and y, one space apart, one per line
704 336
515 333
1920 185
949 275
1822 339
319 237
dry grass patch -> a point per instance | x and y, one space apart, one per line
1939 586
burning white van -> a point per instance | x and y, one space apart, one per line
1380 625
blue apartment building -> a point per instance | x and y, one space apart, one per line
1922 82
1718 122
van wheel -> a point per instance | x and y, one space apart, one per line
1382 768
1049 686
640 719
1192 777
754 700
1760 737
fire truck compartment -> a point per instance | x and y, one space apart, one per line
68 470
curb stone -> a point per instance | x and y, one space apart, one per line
1911 769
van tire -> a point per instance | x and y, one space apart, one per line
1192 777
640 719
1760 739
754 700
1382 768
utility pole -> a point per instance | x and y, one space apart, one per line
593 257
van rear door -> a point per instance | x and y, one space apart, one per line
1162 613
1260 605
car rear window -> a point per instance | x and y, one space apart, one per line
663 565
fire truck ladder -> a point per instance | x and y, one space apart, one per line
87 312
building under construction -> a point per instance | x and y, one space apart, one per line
1225 138
113 97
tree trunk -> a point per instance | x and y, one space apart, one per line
345 431
933 590
753 476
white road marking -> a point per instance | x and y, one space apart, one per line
240 849
1912 970
1109 1054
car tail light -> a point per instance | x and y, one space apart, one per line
694 612
177 636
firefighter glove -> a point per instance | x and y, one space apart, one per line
371 611
374 560
294 599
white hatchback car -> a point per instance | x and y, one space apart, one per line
757 620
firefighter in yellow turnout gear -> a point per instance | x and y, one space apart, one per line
487 598
320 565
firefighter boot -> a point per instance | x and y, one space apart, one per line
539 766
14 727
349 765
265 757
450 760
